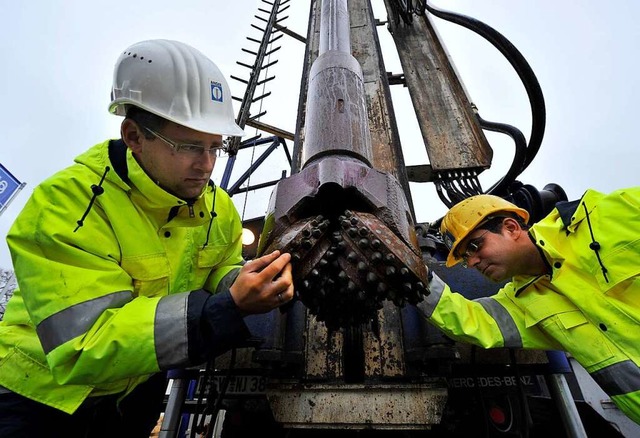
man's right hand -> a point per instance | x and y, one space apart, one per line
263 284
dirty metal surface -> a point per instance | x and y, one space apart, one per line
397 406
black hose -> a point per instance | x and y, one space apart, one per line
521 66
500 188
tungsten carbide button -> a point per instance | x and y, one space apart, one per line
306 232
348 213
330 255
314 273
306 244
295 257
376 257
352 256
420 286
363 243
341 246
354 220
330 283
382 288
316 232
343 277
322 263
375 244
404 271
351 286
391 270
361 296
363 231
407 287
371 277
345 223
306 284
389 258
352 232
362 266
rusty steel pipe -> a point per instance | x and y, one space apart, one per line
347 225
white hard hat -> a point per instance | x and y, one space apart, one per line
176 82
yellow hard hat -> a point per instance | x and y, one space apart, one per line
468 214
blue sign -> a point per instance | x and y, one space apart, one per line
9 185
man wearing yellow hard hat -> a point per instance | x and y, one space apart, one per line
574 283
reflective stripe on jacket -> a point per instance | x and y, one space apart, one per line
103 278
589 306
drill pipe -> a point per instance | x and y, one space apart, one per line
347 225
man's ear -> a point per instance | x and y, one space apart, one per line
511 226
132 135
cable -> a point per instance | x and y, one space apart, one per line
520 65
519 158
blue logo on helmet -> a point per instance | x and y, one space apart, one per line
216 91
448 239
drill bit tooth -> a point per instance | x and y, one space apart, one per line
347 267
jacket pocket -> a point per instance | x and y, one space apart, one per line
579 337
150 274
621 264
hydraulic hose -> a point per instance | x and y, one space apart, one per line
522 68
500 188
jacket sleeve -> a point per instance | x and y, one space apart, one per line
488 322
215 325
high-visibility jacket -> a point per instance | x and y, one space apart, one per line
105 260
589 305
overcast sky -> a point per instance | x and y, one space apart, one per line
58 60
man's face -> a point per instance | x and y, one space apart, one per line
182 171
493 254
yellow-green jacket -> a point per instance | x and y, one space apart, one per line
105 262
588 306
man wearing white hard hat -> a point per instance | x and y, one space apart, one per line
129 261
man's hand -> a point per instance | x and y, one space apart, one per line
263 284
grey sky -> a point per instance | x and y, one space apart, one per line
58 61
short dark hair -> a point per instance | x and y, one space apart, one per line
145 119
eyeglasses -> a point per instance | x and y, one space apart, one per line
472 248
188 149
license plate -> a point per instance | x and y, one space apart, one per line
241 385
